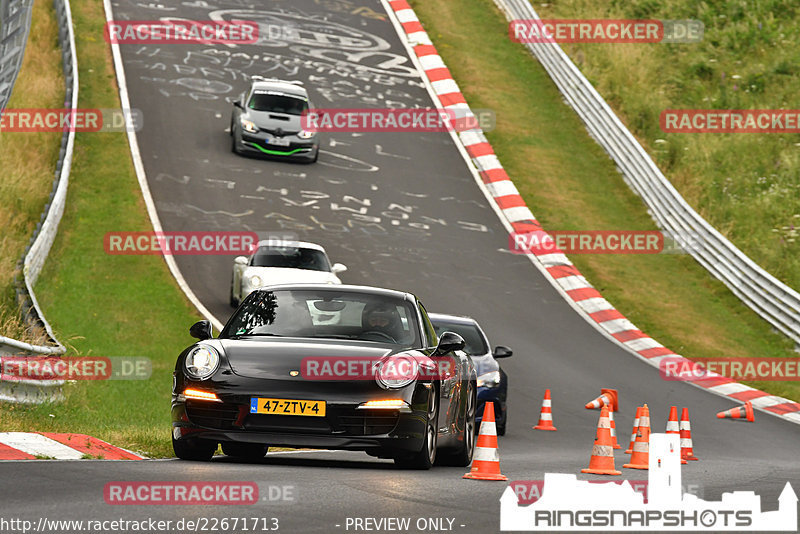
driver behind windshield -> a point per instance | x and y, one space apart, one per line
383 319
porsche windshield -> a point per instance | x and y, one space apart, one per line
291 258
325 314
278 103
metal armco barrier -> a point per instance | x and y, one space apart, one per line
15 23
18 389
770 298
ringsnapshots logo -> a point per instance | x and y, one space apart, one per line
195 243
538 31
370 120
179 31
730 121
565 503
104 120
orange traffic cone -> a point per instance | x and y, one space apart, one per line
640 457
635 429
740 412
686 437
486 461
602 460
672 426
546 416
608 397
613 430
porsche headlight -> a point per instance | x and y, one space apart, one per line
396 371
255 281
248 125
489 380
306 134
201 362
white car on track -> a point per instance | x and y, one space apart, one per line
285 263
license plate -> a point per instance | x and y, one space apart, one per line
279 141
287 407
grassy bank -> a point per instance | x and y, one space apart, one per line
105 305
746 185
570 183
28 160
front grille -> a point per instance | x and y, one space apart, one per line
296 424
368 422
217 415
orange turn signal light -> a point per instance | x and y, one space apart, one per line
386 404
199 394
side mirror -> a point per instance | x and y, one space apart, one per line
240 260
338 268
449 342
238 104
501 351
201 330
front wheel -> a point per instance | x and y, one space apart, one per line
199 450
425 458
462 456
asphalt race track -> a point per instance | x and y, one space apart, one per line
401 210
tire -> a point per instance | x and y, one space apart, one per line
426 457
234 146
233 301
462 456
199 450
316 156
244 451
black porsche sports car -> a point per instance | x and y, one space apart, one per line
326 366
266 120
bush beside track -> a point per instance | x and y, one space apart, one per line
103 305
571 184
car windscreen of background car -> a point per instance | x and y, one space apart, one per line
277 103
291 258
325 314
475 344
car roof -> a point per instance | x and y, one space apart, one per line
462 319
269 243
280 86
392 293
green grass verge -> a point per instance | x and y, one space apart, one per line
570 183
746 185
105 305
27 162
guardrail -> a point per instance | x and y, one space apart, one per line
16 389
770 298
15 23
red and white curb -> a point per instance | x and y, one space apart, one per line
49 445
517 217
